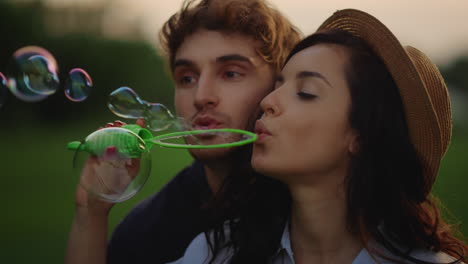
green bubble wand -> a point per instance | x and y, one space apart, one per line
140 139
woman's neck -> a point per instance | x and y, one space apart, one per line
318 226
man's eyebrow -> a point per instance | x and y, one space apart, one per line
182 62
311 74
234 57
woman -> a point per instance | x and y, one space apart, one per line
356 129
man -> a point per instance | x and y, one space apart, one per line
223 56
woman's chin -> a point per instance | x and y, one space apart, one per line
261 165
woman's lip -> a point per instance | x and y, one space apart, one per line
261 137
260 128
261 131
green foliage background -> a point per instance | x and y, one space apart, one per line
36 169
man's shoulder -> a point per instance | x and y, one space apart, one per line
154 222
190 179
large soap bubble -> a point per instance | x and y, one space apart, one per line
40 76
112 163
31 74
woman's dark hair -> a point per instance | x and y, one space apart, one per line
386 200
256 208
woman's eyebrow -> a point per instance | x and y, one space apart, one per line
312 74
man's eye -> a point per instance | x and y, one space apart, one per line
306 96
231 74
186 79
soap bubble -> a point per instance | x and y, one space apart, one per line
113 164
19 68
3 89
78 85
124 102
21 92
39 76
158 117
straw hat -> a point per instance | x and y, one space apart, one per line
422 89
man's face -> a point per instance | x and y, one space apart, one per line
220 80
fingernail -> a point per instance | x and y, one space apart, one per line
111 150
119 123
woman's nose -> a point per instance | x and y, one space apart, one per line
269 104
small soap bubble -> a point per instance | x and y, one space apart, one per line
158 117
124 102
18 68
78 85
3 89
39 76
113 164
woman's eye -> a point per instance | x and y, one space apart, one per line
304 95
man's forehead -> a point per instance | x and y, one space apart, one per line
214 46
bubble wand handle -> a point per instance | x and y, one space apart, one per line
127 144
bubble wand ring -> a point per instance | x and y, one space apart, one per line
252 137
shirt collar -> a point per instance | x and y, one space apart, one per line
285 245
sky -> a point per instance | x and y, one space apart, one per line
437 27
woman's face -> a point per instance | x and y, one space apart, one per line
304 133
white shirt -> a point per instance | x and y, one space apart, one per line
198 252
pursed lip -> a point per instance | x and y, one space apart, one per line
261 131
205 122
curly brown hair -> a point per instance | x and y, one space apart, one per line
252 18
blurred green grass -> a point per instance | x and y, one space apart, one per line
451 185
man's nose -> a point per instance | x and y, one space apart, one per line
207 93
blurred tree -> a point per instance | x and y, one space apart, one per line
456 73
456 76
